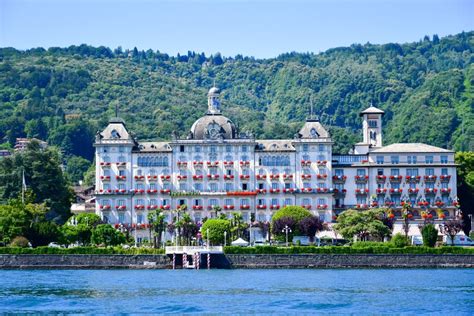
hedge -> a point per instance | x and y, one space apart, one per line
80 251
347 250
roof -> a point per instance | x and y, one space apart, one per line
410 148
154 147
372 110
116 130
226 128
274 145
313 129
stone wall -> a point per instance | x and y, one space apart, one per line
349 261
247 261
84 261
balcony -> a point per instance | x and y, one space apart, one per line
306 190
165 191
339 178
322 206
165 207
198 177
361 206
150 178
413 191
275 206
361 178
120 191
105 164
445 191
445 178
321 163
165 177
305 176
341 192
139 191
361 191
431 191
261 207
120 207
430 178
245 207
287 177
213 176
395 178
274 191
290 190
228 164
245 163
182 177
139 207
211 164
152 207
305 163
229 207
322 190
396 191
228 177
412 178
182 164
198 164
139 178
261 176
121 178
274 176
380 178
322 176
152 191
104 207
105 178
261 191
244 177
306 206
381 191
374 204
121 164
197 207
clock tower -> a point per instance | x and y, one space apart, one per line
213 102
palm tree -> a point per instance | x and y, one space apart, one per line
216 209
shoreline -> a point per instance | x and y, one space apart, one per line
238 261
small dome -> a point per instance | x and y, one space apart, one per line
213 127
214 90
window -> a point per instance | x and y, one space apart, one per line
396 185
361 172
181 148
182 186
321 147
306 185
140 219
107 173
121 217
372 123
198 186
361 186
339 172
321 201
121 186
106 186
429 171
244 158
321 157
411 159
287 201
213 202
305 147
412 172
274 201
121 159
444 185
380 172
244 149
361 200
444 159
105 202
322 185
306 201
229 172
274 185
261 201
261 186
228 148
444 171
380 159
197 148
245 186
244 202
395 160
121 149
213 187
153 202
429 159
229 187
166 202
394 172
197 202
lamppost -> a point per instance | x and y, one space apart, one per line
286 230
207 233
225 238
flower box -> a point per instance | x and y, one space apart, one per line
381 191
152 177
261 191
245 207
275 207
307 206
165 177
396 178
165 207
152 207
121 177
290 190
165 191
180 177
274 190
321 162
305 162
361 178
322 206
287 176
228 177
212 163
274 176
139 177
306 176
182 164
213 176
430 178
152 191
413 191
445 190
261 207
321 176
339 178
198 177
244 177
445 177
261 176
245 163
105 178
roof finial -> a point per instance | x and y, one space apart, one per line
116 110
214 82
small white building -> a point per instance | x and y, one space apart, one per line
217 165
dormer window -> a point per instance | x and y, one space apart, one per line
115 134
314 133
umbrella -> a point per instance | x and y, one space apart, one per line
240 242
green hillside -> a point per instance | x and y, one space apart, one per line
64 95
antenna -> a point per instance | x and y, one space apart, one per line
214 82
116 110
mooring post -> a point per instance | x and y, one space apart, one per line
174 260
208 260
198 260
185 260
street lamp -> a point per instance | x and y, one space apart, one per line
207 232
286 230
225 238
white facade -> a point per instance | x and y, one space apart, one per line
217 165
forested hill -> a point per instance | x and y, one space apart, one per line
63 95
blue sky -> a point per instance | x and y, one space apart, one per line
260 28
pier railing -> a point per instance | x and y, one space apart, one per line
193 249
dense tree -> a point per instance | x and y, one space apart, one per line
294 214
76 167
105 234
216 228
43 176
364 225
465 177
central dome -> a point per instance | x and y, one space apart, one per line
213 127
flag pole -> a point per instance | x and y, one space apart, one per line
23 187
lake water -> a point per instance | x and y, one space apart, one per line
444 291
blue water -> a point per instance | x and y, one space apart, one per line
239 291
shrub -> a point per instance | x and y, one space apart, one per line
19 241
81 251
366 244
105 234
216 227
430 235
399 241
293 214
